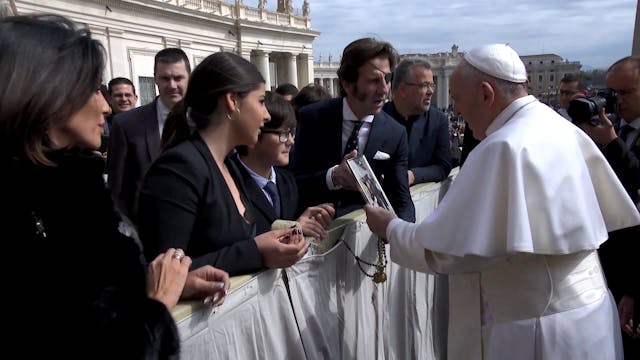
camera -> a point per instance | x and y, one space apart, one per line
582 110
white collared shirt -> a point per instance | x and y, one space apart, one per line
162 112
260 180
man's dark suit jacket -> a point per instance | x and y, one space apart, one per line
619 254
318 147
262 210
134 143
186 203
429 148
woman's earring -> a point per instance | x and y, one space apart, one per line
238 109
229 116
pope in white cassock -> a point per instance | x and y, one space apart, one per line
519 228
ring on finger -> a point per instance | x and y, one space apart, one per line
178 254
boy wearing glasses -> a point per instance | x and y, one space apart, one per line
427 127
271 189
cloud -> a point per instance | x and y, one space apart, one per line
596 33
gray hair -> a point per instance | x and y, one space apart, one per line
507 90
404 68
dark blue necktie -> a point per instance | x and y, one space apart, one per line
353 141
272 190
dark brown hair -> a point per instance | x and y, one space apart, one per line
358 53
281 112
50 69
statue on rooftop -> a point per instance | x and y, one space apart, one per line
305 8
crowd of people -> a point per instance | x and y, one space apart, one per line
202 172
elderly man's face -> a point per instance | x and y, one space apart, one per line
625 80
467 101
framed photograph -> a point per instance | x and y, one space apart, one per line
368 183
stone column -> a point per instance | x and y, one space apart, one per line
303 70
292 69
443 88
262 63
331 89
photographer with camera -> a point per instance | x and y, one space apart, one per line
571 87
622 150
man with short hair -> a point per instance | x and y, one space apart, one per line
334 130
135 134
538 199
123 94
570 88
622 149
427 127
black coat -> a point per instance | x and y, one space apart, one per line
77 283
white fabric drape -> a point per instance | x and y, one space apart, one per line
335 311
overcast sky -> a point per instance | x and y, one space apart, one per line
594 32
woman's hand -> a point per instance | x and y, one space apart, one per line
208 283
315 219
281 248
167 276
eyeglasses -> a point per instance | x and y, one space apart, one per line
424 85
283 135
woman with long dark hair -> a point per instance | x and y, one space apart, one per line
87 294
192 195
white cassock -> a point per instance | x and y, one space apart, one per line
518 230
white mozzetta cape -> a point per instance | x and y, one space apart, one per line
532 203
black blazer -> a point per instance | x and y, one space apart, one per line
134 142
262 211
185 203
429 145
318 147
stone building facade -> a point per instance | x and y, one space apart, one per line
279 43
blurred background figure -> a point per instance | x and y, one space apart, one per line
308 95
571 87
287 91
122 94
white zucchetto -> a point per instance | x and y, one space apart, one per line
498 60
